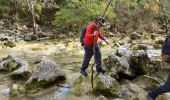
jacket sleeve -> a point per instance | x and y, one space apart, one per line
101 36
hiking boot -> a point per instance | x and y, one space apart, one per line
101 71
149 97
83 73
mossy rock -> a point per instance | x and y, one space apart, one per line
147 82
157 46
108 85
47 73
37 49
139 63
142 47
81 86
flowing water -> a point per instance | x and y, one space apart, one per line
67 54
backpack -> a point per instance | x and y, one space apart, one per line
82 35
166 50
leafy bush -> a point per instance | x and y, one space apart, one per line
78 13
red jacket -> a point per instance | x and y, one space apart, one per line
89 38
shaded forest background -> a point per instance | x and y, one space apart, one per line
64 16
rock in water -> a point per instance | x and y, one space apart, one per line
24 70
139 63
107 84
47 72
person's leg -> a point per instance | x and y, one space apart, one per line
87 57
98 60
161 89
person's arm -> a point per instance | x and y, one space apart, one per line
103 38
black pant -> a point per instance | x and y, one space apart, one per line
88 55
161 89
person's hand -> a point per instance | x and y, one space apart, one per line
107 42
95 33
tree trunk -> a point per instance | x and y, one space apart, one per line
33 20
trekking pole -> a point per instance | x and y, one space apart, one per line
106 8
94 52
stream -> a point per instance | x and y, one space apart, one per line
68 55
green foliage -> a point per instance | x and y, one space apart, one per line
4 4
76 13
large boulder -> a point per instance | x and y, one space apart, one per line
47 72
81 86
139 63
107 84
123 52
128 65
102 85
116 65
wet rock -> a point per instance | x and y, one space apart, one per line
134 36
24 70
131 91
9 43
81 86
118 99
153 53
14 90
30 37
8 64
139 63
141 47
160 41
101 98
117 65
123 52
153 35
48 72
147 82
157 46
5 91
107 84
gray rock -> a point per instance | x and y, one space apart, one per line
131 91
24 70
14 90
30 37
101 98
134 36
47 72
108 84
123 52
8 64
118 65
147 82
139 63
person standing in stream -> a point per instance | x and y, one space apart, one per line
93 32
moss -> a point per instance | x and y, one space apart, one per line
14 92
157 46
113 90
142 47
37 49
23 76
36 85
